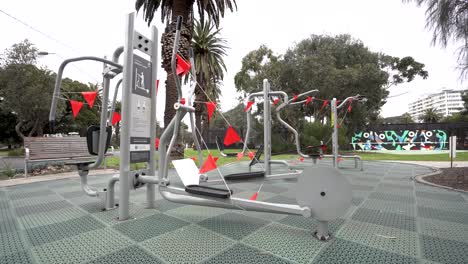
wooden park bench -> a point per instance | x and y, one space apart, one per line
72 150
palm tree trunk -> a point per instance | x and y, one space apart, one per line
180 8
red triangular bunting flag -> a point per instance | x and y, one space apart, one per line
156 143
89 97
240 155
251 155
231 137
157 86
210 164
349 105
276 101
325 102
183 66
210 106
309 99
182 101
116 118
249 105
254 196
76 107
295 98
193 158
324 147
301 159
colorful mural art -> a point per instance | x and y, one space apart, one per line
400 140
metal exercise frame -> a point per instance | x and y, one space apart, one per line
324 213
325 196
266 94
335 146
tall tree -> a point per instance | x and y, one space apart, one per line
170 10
431 116
208 49
448 19
338 66
27 92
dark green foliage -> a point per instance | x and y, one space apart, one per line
71 90
338 66
431 116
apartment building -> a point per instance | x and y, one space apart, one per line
446 102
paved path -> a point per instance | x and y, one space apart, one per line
436 164
392 219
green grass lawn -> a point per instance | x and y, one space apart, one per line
461 156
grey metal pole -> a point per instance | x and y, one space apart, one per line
267 126
124 200
150 188
335 133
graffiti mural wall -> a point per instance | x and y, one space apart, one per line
400 140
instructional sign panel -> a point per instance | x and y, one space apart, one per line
140 121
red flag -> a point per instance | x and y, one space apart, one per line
240 155
251 155
89 97
210 164
276 101
231 137
210 106
295 98
157 86
76 107
183 66
156 143
349 105
309 99
325 102
301 159
193 158
254 196
249 105
324 147
116 118
182 101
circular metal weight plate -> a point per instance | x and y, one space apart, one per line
325 191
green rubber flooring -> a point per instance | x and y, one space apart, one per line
392 220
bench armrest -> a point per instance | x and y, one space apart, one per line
26 153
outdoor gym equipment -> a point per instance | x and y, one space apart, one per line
267 94
138 127
335 146
322 193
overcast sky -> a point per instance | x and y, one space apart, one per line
96 27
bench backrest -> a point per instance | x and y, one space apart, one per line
56 147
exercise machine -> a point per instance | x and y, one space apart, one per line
322 193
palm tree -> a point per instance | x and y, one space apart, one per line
208 49
406 118
431 116
449 21
170 10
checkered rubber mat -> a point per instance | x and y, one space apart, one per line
392 220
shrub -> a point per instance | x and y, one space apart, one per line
16 152
8 170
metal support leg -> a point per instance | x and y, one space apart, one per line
322 231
